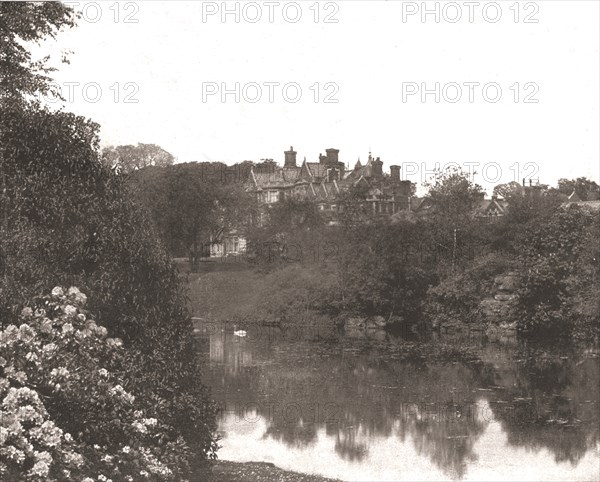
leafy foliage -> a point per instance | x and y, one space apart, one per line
131 158
190 206
20 23
65 412
560 266
454 196
586 189
68 219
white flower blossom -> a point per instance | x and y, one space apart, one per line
57 292
26 312
140 427
40 469
150 422
69 310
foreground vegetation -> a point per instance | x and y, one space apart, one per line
69 220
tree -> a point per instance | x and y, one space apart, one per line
290 231
132 158
73 221
586 189
67 219
22 23
454 196
509 189
191 206
559 271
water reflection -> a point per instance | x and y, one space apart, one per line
328 405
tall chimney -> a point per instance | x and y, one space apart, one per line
332 155
290 158
395 173
378 168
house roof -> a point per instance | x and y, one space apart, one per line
420 204
487 207
317 170
273 179
291 174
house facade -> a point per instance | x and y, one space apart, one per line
323 182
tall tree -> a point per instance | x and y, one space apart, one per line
191 205
586 189
20 24
509 189
132 158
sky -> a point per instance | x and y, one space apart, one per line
511 89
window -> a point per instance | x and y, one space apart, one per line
273 197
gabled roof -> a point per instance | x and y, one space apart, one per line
574 198
420 204
490 207
291 174
273 179
317 169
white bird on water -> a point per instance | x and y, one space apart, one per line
238 332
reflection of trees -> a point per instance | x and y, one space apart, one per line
550 403
348 447
448 444
541 402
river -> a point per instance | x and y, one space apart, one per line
350 406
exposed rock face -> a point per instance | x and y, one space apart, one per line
497 308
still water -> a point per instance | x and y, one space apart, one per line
339 405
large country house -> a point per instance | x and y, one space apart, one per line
384 194
322 182
325 180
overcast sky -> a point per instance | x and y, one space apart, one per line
372 60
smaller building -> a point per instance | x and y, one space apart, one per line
227 245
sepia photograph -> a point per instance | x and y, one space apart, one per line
300 241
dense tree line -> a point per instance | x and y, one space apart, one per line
404 267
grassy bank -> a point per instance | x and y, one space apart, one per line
235 292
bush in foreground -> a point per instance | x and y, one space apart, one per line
65 413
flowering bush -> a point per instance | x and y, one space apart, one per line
71 220
66 413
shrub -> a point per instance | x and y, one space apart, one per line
457 297
69 220
65 413
559 268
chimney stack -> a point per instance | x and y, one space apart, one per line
395 173
290 158
332 155
378 168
